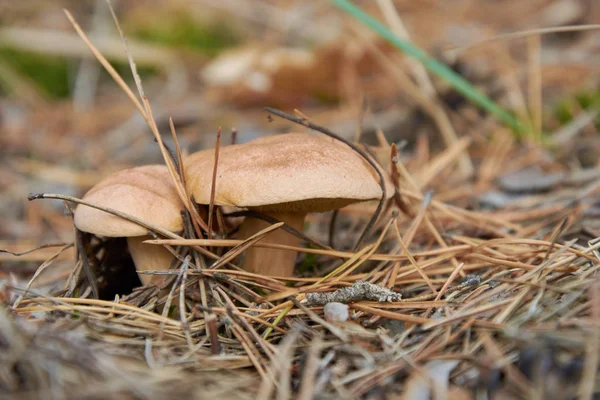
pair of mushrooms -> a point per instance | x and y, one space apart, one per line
283 176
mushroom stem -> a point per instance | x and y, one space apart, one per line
149 257
273 262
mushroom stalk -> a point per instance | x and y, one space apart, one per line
273 262
149 257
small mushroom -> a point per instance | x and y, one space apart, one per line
284 177
144 192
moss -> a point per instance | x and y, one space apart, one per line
308 265
181 30
173 311
565 110
326 99
52 74
588 99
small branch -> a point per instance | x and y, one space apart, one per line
130 218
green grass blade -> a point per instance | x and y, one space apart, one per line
460 84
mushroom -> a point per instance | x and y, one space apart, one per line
285 177
144 192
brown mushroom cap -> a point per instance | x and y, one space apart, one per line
144 192
294 172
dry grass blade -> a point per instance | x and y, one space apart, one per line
143 107
391 315
534 78
213 184
331 253
526 33
465 314
107 66
25 252
41 269
307 391
416 265
236 251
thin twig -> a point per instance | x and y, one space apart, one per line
309 124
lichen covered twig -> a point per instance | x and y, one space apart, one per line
359 291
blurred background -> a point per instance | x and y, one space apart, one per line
64 123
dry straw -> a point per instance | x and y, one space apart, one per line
494 292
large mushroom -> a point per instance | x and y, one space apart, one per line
144 192
285 177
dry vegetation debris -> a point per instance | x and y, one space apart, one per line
481 273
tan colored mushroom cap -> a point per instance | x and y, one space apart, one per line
296 172
144 192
